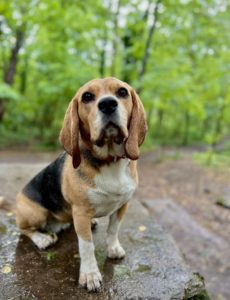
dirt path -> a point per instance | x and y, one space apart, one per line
200 227
194 187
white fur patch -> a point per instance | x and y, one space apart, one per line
111 131
42 240
115 249
88 260
90 275
56 227
112 150
114 187
102 152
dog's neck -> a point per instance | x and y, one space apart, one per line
109 152
98 157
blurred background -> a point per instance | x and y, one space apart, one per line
176 53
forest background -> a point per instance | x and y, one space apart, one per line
175 53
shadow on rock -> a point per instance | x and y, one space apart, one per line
55 272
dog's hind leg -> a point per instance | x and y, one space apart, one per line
30 217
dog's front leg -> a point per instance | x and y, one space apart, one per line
90 275
115 249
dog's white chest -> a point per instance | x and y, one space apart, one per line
114 187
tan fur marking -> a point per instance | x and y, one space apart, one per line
63 217
121 211
82 223
29 214
74 189
133 170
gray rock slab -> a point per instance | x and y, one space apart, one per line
203 249
152 269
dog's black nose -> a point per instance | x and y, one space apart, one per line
107 105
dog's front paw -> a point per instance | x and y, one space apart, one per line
116 251
92 281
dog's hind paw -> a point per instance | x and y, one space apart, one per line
116 251
43 240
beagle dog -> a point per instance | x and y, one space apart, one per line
96 176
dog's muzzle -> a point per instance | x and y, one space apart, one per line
108 106
111 130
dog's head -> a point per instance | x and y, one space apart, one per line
108 116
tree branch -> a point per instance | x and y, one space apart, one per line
114 42
11 69
148 42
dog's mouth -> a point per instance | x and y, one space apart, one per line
111 133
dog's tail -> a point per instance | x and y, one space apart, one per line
4 204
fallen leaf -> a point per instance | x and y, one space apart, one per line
10 214
142 228
6 269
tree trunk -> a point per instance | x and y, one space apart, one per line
186 131
218 127
148 43
102 66
129 59
2 109
146 13
204 127
128 39
115 42
11 68
160 116
23 76
149 115
103 55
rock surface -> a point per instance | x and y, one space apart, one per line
152 269
204 250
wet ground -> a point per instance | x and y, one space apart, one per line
152 269
150 266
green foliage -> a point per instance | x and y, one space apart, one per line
213 159
7 93
51 255
185 88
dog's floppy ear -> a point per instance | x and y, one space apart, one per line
69 135
137 128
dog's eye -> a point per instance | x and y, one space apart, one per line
122 92
88 97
